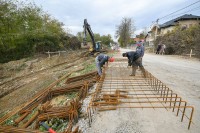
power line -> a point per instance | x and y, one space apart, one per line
197 8
194 9
179 10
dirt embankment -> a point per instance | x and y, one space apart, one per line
22 79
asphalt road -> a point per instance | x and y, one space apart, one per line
181 74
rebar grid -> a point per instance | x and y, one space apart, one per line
118 90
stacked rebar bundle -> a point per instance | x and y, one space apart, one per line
44 111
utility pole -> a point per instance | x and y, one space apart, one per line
156 29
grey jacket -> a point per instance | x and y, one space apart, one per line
102 58
140 50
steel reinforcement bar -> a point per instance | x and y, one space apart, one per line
116 90
44 111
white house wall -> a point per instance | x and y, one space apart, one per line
168 29
188 23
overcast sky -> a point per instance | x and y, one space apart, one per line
104 15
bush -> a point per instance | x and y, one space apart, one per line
181 41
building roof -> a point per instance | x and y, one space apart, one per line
168 23
188 17
184 17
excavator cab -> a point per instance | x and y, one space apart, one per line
98 47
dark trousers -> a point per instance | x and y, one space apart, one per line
135 65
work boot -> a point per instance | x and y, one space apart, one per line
143 71
133 71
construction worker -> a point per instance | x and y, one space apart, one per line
134 60
100 60
162 49
158 48
140 49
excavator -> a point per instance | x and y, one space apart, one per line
96 46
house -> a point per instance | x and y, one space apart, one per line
149 39
184 21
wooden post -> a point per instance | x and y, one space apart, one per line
59 53
190 53
49 54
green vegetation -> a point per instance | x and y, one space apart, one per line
21 67
105 39
132 41
59 125
71 95
181 40
26 29
29 116
89 67
10 121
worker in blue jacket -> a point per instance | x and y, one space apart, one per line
140 49
100 60
134 60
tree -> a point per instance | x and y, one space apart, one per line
106 39
125 30
25 30
143 33
80 36
132 41
97 36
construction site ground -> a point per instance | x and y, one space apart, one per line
180 74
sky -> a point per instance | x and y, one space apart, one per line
104 15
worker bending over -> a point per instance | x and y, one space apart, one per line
100 60
134 60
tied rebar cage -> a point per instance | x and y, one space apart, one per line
116 90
